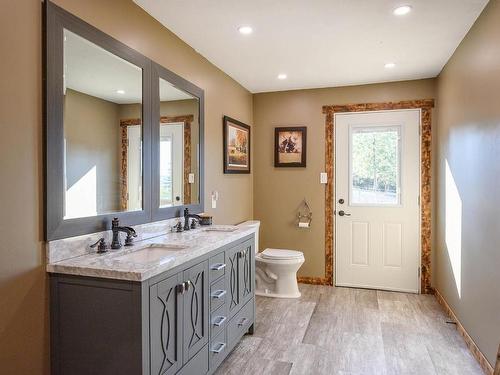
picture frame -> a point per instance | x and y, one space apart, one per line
290 147
236 146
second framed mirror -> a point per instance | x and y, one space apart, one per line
177 152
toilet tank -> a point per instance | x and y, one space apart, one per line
256 225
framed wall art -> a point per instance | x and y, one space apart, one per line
236 146
290 146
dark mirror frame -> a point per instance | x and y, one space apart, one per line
163 213
55 21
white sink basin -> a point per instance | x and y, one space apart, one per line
154 253
222 228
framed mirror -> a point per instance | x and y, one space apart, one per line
98 129
123 135
177 134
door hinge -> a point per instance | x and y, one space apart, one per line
418 272
418 200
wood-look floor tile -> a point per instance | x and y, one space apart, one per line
405 353
346 331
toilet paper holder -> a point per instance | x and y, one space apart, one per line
304 216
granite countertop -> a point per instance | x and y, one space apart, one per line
112 265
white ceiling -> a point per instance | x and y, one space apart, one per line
319 43
92 70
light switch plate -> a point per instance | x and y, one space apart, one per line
215 198
323 178
191 178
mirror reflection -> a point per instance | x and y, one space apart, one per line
179 145
102 130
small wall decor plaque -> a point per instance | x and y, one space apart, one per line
290 146
236 146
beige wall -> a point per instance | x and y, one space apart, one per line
23 285
279 191
93 139
469 142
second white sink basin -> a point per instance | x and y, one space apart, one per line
221 228
154 253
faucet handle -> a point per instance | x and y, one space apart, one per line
194 223
115 222
129 241
101 246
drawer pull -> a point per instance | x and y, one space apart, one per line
219 349
243 321
218 266
218 321
218 294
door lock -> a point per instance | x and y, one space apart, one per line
342 213
341 201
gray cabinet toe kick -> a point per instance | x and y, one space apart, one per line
183 321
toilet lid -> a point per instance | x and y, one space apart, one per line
281 254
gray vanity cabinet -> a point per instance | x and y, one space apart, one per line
165 301
178 322
240 275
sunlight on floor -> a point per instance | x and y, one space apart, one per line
453 229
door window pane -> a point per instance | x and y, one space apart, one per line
375 165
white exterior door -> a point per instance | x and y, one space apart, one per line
377 187
171 164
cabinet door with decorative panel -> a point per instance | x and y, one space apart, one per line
165 300
196 309
246 271
233 265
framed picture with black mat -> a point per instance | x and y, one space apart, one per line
236 146
290 146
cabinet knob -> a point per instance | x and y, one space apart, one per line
181 288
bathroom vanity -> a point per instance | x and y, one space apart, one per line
125 144
175 304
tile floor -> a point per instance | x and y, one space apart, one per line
344 331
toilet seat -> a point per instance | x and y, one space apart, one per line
281 254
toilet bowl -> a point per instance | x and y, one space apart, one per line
276 273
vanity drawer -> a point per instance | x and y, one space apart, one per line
217 266
218 321
240 323
218 294
218 350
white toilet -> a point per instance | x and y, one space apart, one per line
275 269
276 273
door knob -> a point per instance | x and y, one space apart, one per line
342 213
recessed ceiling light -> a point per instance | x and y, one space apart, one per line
390 65
121 92
245 30
282 76
402 10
